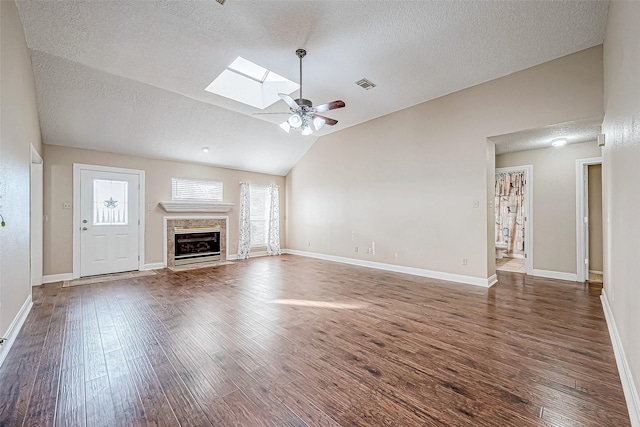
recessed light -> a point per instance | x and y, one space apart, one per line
205 149
559 142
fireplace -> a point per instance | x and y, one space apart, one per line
196 244
195 240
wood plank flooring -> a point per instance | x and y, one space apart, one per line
292 341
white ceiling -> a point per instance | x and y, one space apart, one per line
129 76
574 132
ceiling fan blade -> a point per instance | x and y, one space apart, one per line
289 100
328 106
327 120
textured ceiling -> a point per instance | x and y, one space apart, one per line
531 139
145 65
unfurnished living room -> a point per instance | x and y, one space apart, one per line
319 213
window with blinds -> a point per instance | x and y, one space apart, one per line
196 189
260 205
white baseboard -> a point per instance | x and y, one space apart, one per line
628 386
469 280
51 278
596 272
152 266
560 275
492 280
234 257
14 328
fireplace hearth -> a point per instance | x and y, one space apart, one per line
196 245
195 240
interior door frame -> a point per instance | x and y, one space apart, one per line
528 212
77 169
36 242
582 245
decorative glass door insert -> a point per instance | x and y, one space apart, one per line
110 202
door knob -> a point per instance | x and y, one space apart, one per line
84 229
84 221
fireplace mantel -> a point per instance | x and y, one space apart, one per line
185 206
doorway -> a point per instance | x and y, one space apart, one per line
513 206
36 217
108 220
589 226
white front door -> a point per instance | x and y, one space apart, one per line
109 222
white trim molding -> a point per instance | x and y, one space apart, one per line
469 280
628 386
192 206
153 266
14 328
77 168
528 214
492 280
52 278
560 275
596 272
234 257
582 249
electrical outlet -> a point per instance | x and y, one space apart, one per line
309 244
465 261
355 249
66 205
149 207
476 203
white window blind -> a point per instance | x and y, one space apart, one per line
260 205
196 189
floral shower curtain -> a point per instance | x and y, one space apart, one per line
273 240
509 211
244 241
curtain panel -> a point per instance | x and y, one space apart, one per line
509 194
244 239
273 240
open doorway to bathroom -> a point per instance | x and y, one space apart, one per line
513 219
589 220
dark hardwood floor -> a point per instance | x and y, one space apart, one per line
292 341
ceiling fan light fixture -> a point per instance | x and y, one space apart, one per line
285 126
318 123
295 121
307 130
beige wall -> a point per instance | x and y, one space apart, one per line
58 188
19 128
621 182
554 201
409 180
595 217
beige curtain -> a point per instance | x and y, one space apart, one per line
509 211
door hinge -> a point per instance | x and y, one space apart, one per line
525 255
138 257
138 222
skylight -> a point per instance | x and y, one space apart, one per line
251 84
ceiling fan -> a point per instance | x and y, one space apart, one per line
302 113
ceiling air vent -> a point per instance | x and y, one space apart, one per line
366 84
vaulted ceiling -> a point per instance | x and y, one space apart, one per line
129 76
